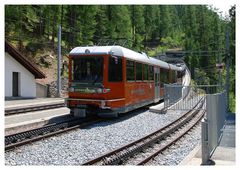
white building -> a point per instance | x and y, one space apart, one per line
20 74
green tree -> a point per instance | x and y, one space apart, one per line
119 22
101 18
165 26
138 27
232 25
190 27
86 18
150 26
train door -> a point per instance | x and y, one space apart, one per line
157 84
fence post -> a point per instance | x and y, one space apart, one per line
205 147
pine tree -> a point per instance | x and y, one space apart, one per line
190 29
232 25
101 33
138 27
166 23
150 26
119 23
87 23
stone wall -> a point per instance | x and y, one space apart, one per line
52 88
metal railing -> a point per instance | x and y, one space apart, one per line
213 124
179 97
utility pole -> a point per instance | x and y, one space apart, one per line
227 67
59 63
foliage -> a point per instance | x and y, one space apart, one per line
158 50
197 29
201 77
232 102
142 26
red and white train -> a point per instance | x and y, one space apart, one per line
110 80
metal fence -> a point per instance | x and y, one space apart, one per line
179 97
212 124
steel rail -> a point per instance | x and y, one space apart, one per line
173 141
32 108
23 138
117 155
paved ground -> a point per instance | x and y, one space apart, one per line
25 121
30 102
225 153
37 115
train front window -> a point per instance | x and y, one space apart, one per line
88 70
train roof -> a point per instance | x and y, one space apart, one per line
123 52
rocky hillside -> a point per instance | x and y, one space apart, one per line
47 62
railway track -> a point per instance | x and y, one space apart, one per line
121 155
12 111
23 138
172 139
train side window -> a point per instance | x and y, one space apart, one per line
115 69
167 80
151 77
175 76
163 76
172 76
179 77
138 71
130 71
145 72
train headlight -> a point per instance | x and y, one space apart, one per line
98 90
106 90
71 89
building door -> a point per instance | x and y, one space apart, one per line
15 84
157 84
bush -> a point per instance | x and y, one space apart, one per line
232 102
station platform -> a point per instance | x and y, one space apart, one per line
225 153
157 108
25 121
23 103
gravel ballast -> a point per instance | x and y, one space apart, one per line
176 153
79 146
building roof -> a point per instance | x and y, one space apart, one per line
23 61
122 52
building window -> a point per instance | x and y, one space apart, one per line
138 71
130 71
115 69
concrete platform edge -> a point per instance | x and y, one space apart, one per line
28 125
190 156
33 104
